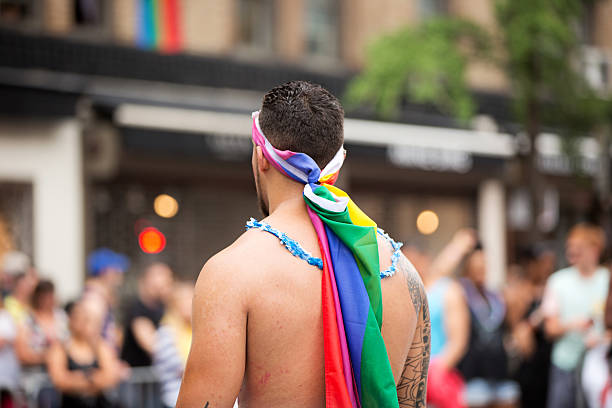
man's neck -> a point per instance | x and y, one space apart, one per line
147 298
285 196
586 270
290 207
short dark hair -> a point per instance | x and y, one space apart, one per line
304 118
44 287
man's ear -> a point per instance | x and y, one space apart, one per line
262 163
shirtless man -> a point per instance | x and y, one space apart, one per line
257 314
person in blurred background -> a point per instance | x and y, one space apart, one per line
85 366
172 342
12 265
144 313
595 380
595 371
529 345
45 325
10 371
18 302
19 282
106 270
485 364
573 307
450 324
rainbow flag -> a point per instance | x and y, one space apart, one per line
159 25
357 368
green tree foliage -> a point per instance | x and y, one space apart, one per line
423 64
541 57
538 45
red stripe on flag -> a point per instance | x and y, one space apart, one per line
336 393
171 42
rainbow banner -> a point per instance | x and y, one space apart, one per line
158 25
357 368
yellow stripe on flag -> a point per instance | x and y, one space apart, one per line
357 216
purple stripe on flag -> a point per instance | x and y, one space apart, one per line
353 299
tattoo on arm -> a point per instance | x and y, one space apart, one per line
412 388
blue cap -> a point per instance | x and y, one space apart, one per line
104 258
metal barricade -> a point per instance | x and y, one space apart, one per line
140 390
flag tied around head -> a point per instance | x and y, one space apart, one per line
357 368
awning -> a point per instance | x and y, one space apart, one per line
356 131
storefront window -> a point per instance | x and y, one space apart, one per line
322 28
123 211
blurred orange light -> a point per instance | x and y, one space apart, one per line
165 206
427 222
151 240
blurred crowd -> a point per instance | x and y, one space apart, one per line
543 340
84 355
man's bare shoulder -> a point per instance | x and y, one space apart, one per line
240 265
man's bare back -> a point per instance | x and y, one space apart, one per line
257 310
258 324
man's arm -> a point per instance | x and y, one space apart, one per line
63 379
108 373
25 353
216 362
412 387
144 333
453 253
456 325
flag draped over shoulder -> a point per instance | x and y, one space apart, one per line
357 368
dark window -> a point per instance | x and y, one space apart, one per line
432 8
256 24
88 12
587 24
15 11
16 218
91 20
322 28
